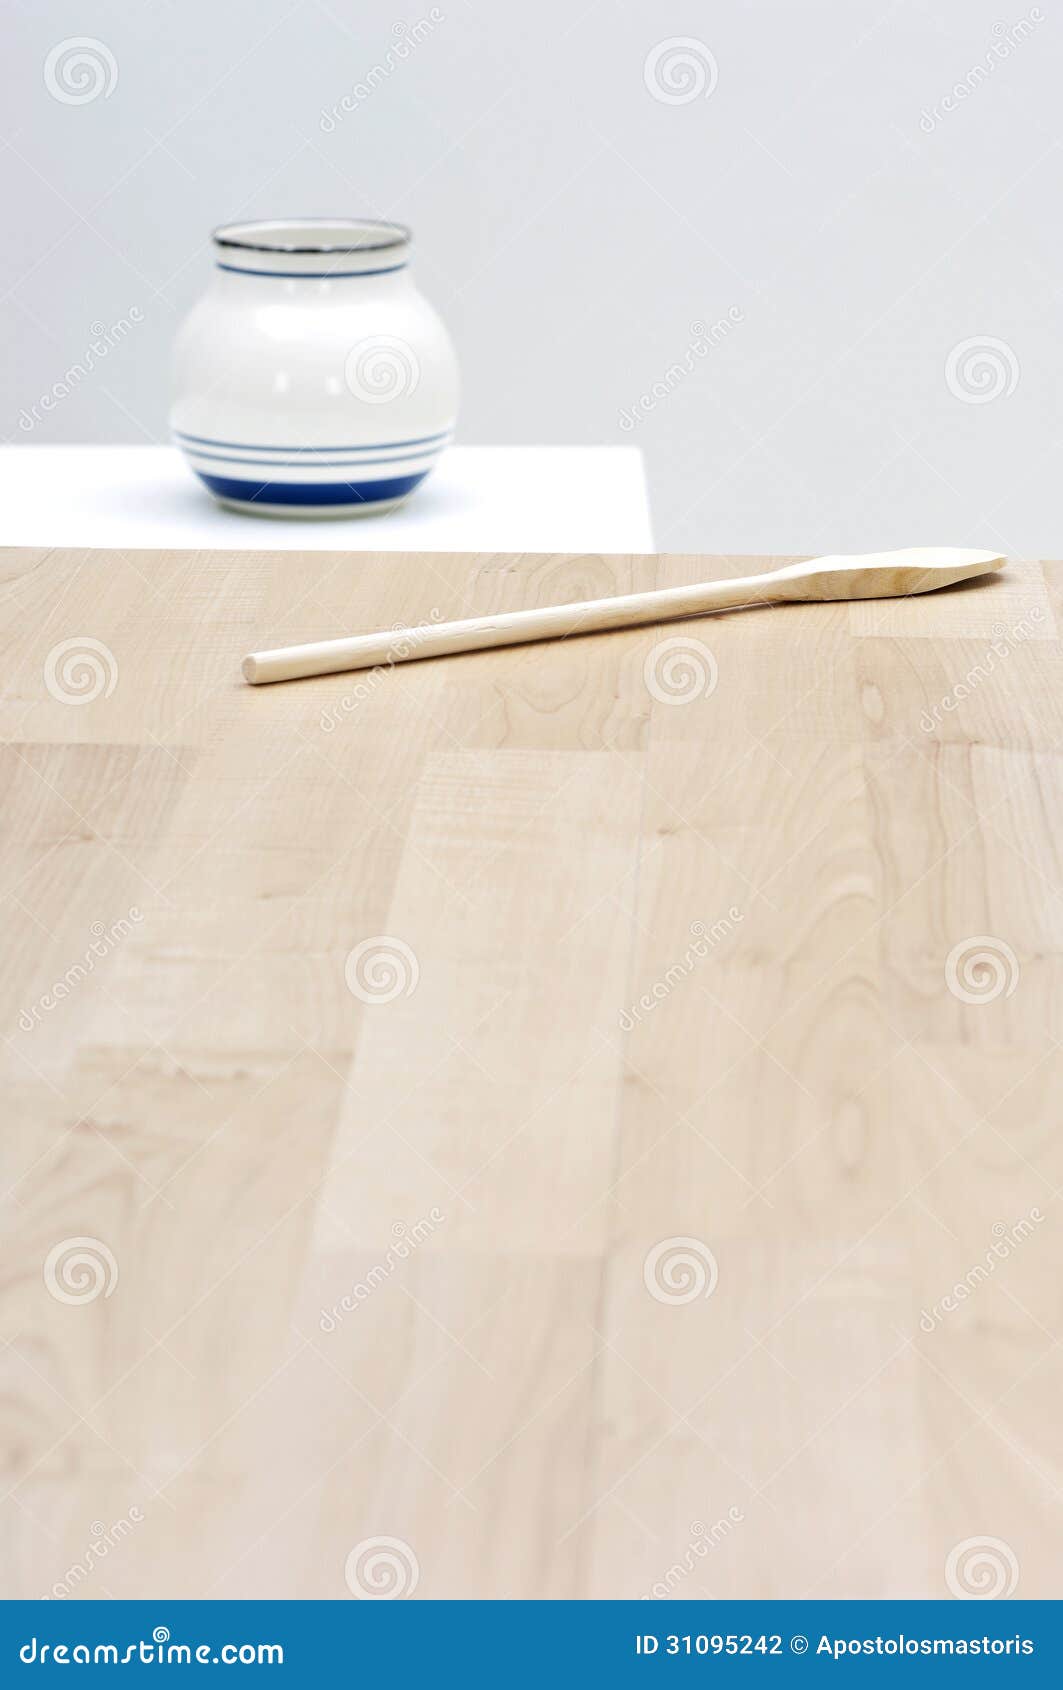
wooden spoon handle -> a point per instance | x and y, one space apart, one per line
478 633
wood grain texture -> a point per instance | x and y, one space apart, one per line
667 1200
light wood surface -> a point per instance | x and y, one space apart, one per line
683 970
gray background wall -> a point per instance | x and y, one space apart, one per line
574 228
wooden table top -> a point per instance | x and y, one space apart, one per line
586 1115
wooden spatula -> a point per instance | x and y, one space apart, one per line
874 575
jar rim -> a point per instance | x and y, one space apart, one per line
335 235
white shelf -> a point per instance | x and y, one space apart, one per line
480 498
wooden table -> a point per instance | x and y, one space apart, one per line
544 1110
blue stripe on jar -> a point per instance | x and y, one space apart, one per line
312 275
299 451
296 461
311 492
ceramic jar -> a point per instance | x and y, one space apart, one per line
312 379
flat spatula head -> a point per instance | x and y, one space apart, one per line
887 575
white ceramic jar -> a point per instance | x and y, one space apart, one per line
312 379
